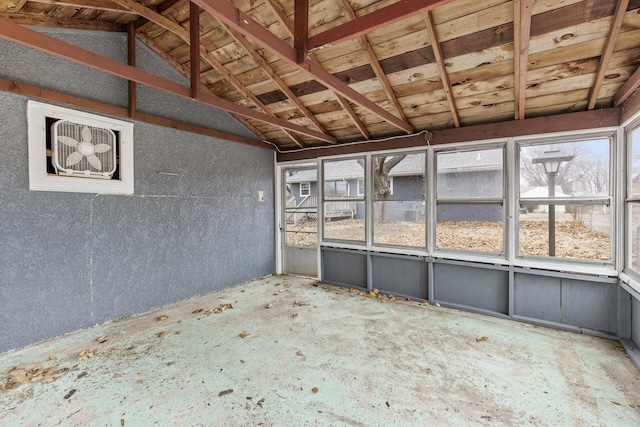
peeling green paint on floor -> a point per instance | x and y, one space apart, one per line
283 351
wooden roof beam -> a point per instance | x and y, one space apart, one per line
364 24
185 71
375 63
522 33
241 22
286 23
66 23
618 17
444 76
51 45
192 37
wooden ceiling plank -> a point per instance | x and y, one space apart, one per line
31 38
627 89
521 35
241 22
618 17
103 5
372 21
444 75
281 16
67 23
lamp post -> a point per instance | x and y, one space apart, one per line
551 160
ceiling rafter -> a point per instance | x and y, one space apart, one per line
618 17
185 35
366 23
444 76
288 25
375 63
31 38
185 71
167 6
521 36
240 21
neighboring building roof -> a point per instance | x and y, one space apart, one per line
540 192
454 161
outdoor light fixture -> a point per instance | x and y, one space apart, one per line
551 160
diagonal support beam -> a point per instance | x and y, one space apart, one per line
444 76
51 45
522 30
618 17
365 24
241 22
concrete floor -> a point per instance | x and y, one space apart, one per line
317 355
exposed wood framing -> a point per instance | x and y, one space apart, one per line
131 60
632 84
186 72
364 24
534 126
288 25
375 64
621 8
68 51
301 29
187 35
105 5
522 33
242 40
112 110
67 23
194 48
240 21
444 76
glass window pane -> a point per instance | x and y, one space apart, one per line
470 174
404 224
581 231
341 178
634 244
474 227
570 169
344 220
398 177
634 178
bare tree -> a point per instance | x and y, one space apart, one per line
586 174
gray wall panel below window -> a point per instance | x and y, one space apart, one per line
400 275
635 320
589 305
474 287
537 297
344 267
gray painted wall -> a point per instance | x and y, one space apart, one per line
72 260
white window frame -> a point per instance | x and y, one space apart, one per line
308 192
360 190
40 180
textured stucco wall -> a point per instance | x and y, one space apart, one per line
71 260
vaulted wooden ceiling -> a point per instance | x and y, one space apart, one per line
303 73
